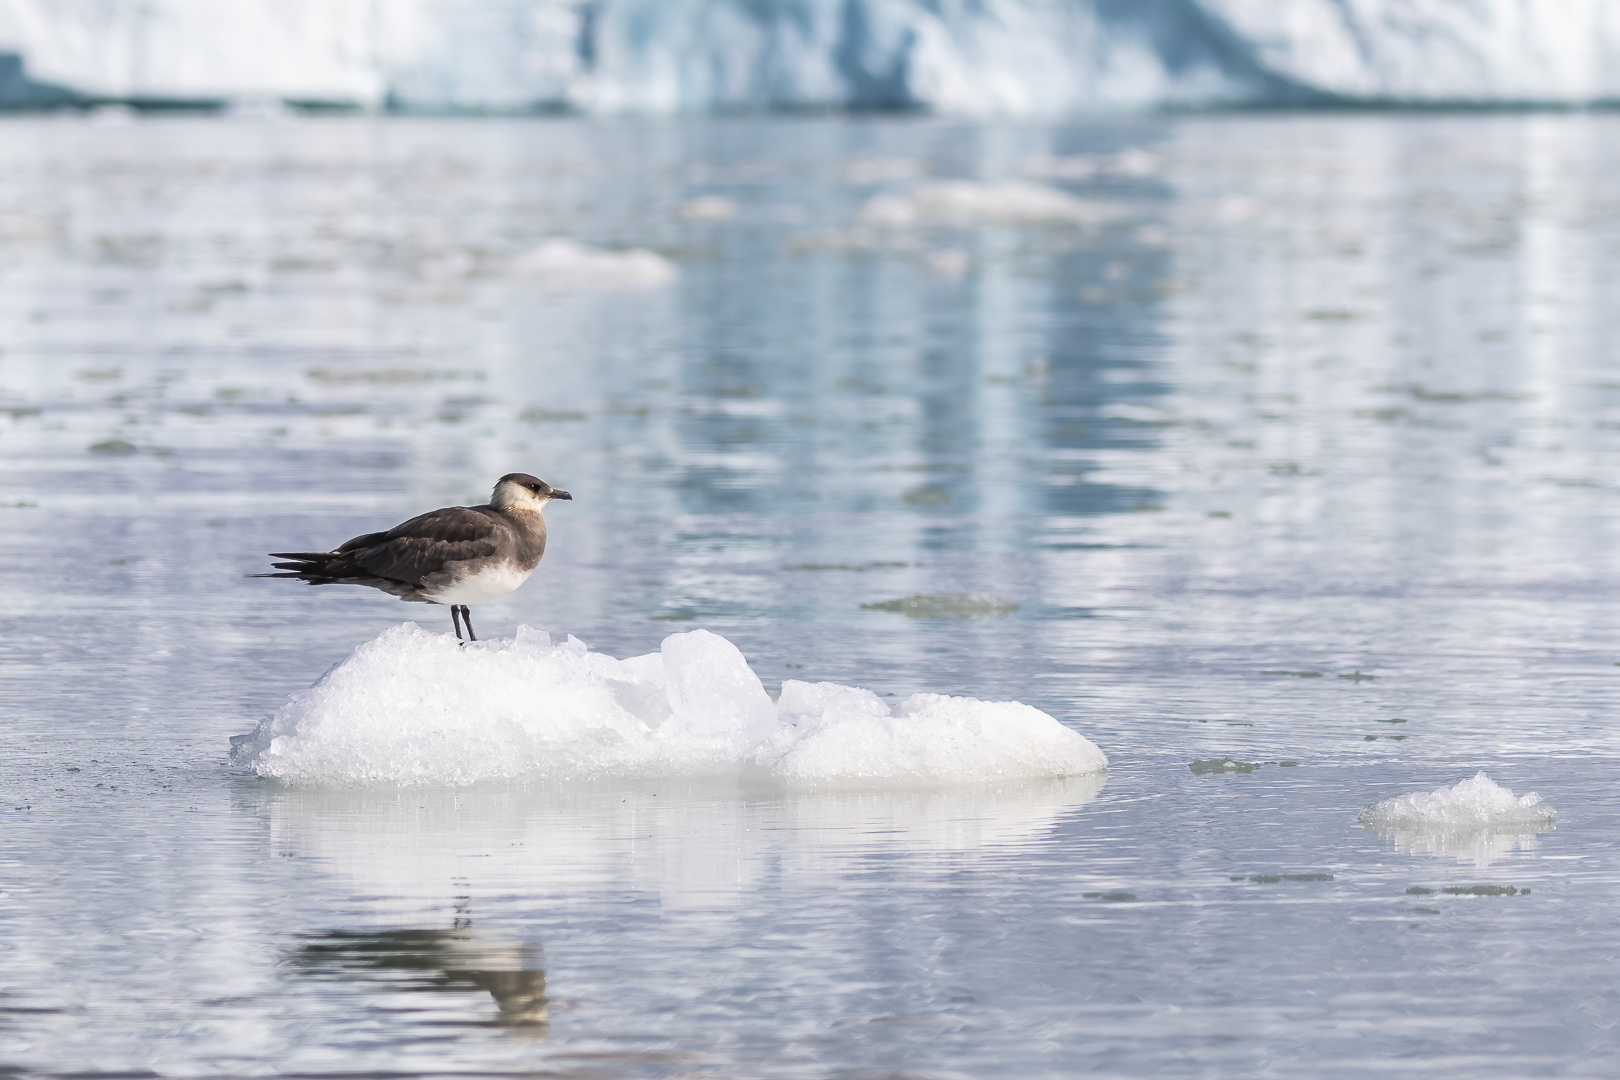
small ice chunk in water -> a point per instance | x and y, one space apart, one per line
1476 803
411 707
708 208
568 264
965 202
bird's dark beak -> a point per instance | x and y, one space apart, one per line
555 494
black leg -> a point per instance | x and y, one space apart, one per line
466 617
455 618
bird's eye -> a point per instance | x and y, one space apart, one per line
535 488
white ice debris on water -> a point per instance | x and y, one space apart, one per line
412 707
966 202
568 264
707 208
1477 803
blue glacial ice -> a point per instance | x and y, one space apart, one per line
415 708
989 57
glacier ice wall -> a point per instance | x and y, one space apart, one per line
975 57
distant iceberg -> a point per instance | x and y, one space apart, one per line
987 58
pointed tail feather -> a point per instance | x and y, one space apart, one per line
310 566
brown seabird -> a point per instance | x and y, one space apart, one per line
457 556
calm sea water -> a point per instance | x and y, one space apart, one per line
1306 449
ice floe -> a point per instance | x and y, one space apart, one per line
1475 803
413 707
708 208
568 264
967 202
1476 822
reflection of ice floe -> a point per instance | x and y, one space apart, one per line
453 961
694 844
410 707
1473 847
568 264
1476 821
966 202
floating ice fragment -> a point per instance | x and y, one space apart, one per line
1128 162
1473 804
950 262
876 170
708 208
410 707
963 202
569 264
889 210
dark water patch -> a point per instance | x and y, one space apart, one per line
949 606
1226 766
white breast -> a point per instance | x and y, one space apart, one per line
487 584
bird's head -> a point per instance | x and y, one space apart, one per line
520 491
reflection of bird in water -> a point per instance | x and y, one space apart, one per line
457 556
521 994
453 961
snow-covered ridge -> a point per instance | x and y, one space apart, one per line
992 57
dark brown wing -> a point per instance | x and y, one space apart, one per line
405 557
416 549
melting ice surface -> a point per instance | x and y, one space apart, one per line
1476 803
412 707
